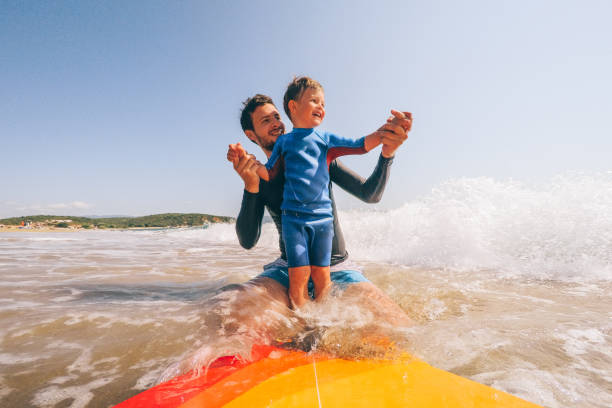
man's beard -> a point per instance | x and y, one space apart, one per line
269 145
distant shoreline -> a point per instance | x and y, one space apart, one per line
48 223
17 228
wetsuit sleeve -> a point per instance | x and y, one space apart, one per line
370 190
248 223
275 163
339 146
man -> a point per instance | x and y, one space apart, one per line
262 124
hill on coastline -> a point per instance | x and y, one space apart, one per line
149 221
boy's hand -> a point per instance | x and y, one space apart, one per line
395 132
246 166
235 151
404 119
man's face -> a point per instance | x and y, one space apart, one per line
267 126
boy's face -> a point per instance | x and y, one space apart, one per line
267 126
308 110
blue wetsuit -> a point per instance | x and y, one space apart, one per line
304 156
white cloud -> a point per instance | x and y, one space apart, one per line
74 205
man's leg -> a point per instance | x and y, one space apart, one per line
237 316
258 308
368 296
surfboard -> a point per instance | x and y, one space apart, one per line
275 377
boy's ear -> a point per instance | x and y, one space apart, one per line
292 105
251 135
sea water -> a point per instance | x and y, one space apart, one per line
508 284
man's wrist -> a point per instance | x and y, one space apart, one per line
252 188
387 155
385 160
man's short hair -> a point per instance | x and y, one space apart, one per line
296 88
249 106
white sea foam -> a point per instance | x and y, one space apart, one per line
80 395
12 304
561 230
533 385
12 359
577 342
224 233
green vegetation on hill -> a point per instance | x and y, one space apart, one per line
149 221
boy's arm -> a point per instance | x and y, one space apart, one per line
370 190
263 173
372 140
392 134
274 163
340 146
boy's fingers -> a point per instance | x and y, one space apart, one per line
401 115
395 130
246 162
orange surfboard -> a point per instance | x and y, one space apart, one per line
275 377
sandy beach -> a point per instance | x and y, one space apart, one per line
17 228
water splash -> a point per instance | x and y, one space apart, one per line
560 230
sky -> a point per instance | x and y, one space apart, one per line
127 107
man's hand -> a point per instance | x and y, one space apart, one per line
246 166
395 132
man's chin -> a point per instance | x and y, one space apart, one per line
268 146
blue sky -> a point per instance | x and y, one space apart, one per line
127 107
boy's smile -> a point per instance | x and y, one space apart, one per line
308 110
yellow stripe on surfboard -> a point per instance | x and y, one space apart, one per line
343 383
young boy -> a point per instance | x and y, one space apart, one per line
304 155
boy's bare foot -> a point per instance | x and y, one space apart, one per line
321 293
297 301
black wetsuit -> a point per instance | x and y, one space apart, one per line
270 196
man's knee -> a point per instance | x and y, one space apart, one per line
232 286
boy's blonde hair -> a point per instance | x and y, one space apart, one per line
296 88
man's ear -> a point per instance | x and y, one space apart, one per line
251 135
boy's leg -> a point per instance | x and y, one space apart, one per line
320 254
298 286
322 282
296 247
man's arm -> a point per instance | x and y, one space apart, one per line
370 190
393 134
248 223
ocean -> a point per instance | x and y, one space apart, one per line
508 284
